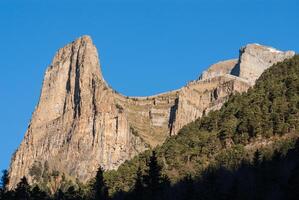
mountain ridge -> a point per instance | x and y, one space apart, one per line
262 123
80 122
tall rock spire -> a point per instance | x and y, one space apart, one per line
68 81
76 125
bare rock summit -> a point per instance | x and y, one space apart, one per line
255 59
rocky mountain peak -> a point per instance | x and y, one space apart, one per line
74 68
255 58
80 54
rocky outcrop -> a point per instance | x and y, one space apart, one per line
255 59
200 97
80 122
219 69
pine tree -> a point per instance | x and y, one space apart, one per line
154 180
99 190
188 185
22 191
138 187
5 194
59 195
37 194
4 180
257 158
72 194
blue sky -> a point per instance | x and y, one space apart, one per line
146 47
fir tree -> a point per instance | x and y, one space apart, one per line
188 192
72 194
60 195
257 158
4 180
5 194
99 190
37 194
22 191
154 180
138 190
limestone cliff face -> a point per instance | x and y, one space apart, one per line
255 58
219 69
80 122
200 97
76 125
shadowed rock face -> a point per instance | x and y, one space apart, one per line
80 122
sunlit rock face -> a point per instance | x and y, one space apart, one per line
81 123
255 59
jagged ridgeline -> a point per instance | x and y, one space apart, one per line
266 118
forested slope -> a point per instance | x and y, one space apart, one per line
264 118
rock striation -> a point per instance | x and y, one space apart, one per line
81 123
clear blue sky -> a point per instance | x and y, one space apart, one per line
146 47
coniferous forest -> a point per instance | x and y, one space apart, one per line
247 150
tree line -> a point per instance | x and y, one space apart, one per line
149 186
262 178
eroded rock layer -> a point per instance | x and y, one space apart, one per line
81 123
